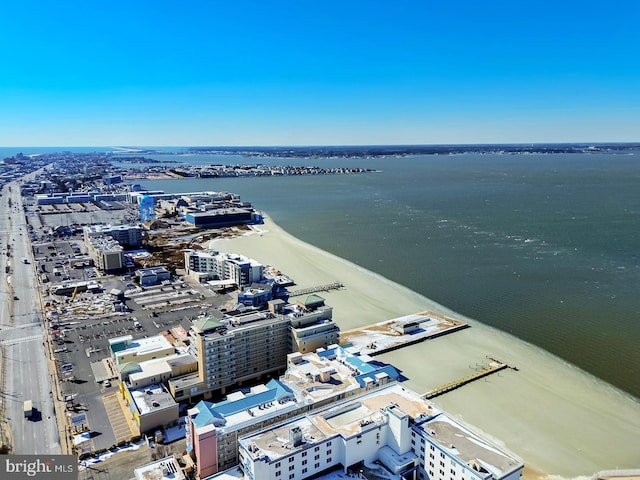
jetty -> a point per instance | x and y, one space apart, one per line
494 366
319 288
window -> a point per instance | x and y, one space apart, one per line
329 452
329 460
278 473
316 465
328 444
304 454
304 470
316 457
277 464
290 459
291 467
292 476
304 462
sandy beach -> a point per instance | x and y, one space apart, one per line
562 422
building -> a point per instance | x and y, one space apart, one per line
333 374
239 349
106 253
222 217
125 349
257 295
127 235
388 433
311 381
167 468
311 321
152 275
213 429
160 370
152 407
213 265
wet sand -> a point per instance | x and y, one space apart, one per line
561 421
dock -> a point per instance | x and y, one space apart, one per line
494 366
320 288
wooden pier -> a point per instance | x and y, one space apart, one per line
493 367
319 288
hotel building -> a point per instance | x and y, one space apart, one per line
388 433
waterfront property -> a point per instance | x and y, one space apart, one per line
388 433
213 265
311 381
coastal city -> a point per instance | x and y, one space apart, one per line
131 340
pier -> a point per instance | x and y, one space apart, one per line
400 332
319 288
493 367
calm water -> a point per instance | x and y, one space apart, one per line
545 247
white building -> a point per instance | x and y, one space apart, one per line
167 468
130 235
390 432
213 265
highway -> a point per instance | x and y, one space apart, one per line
22 336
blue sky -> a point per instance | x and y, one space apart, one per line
318 73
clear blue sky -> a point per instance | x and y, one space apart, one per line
343 72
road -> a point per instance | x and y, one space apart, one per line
22 337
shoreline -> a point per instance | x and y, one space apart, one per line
559 420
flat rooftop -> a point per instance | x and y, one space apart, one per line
152 398
164 469
469 447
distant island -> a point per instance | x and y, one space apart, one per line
405 150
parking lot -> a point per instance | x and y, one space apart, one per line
82 322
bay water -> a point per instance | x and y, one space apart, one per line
545 247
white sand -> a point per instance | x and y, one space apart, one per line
555 417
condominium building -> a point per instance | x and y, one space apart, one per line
390 432
236 350
213 265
